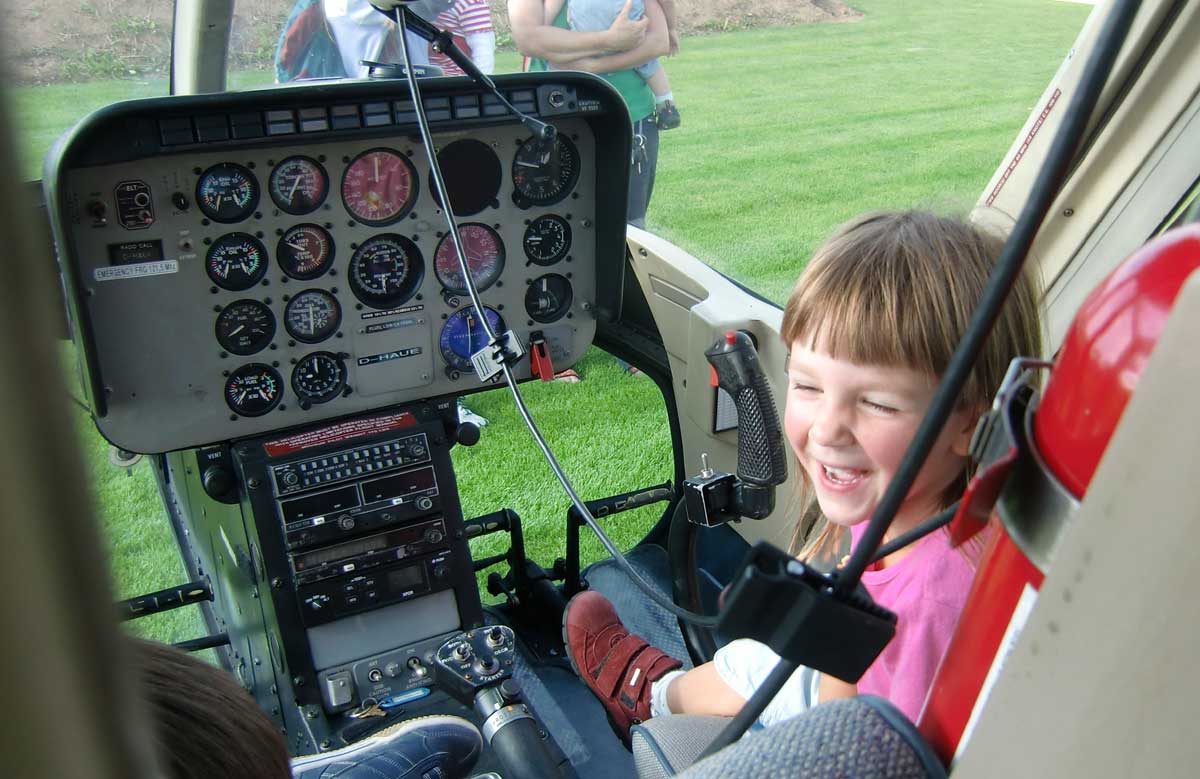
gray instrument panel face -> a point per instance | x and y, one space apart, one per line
154 274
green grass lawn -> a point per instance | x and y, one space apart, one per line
786 133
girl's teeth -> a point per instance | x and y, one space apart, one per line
841 474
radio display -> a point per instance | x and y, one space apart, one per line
340 552
406 578
319 505
399 485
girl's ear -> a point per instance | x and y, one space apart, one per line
963 423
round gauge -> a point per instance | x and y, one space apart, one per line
548 298
253 390
245 327
547 239
543 173
299 185
318 377
227 192
386 270
463 335
472 174
485 258
379 187
236 261
305 251
312 316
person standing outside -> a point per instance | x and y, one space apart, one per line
470 22
612 54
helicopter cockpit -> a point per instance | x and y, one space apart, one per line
282 297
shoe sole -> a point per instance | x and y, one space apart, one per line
386 735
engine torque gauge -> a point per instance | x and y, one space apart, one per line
245 327
312 316
298 185
463 335
236 261
544 174
305 251
548 298
227 192
547 239
318 377
386 270
254 389
485 258
379 187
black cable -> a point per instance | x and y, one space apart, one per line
506 369
1012 259
920 531
753 709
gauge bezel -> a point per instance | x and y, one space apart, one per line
414 190
304 395
559 256
253 367
407 288
258 275
262 307
328 331
481 283
282 249
314 165
245 211
521 194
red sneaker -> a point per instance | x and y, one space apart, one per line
615 664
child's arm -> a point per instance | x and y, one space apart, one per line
653 45
830 688
535 38
668 7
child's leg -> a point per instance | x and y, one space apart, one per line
698 691
659 85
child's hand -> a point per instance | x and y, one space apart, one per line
625 33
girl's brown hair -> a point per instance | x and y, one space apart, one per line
897 289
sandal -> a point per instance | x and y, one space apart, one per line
569 376
617 666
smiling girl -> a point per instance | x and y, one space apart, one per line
871 326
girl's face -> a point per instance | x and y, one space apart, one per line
850 425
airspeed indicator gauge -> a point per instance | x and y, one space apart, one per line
485 258
254 389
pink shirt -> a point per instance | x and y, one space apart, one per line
927 591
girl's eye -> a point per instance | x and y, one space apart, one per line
802 387
880 407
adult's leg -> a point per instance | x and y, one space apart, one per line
642 169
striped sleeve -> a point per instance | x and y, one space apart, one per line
473 16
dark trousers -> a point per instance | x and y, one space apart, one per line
641 171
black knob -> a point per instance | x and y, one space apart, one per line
180 201
218 481
510 690
467 433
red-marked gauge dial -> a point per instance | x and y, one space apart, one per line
299 185
305 251
544 173
463 335
386 270
245 327
318 377
485 258
227 192
379 187
236 261
253 390
312 316
548 298
547 239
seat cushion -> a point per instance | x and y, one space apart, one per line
664 746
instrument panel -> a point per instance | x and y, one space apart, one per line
233 286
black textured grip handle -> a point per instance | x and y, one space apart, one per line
761 458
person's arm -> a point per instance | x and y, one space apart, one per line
668 7
483 50
551 10
534 38
830 688
655 44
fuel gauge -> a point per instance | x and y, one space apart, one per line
254 389
548 298
245 327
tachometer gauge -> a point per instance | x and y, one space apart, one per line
548 298
547 239
312 316
227 192
318 377
245 327
305 251
379 187
485 258
463 335
236 261
544 173
299 185
253 390
386 270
